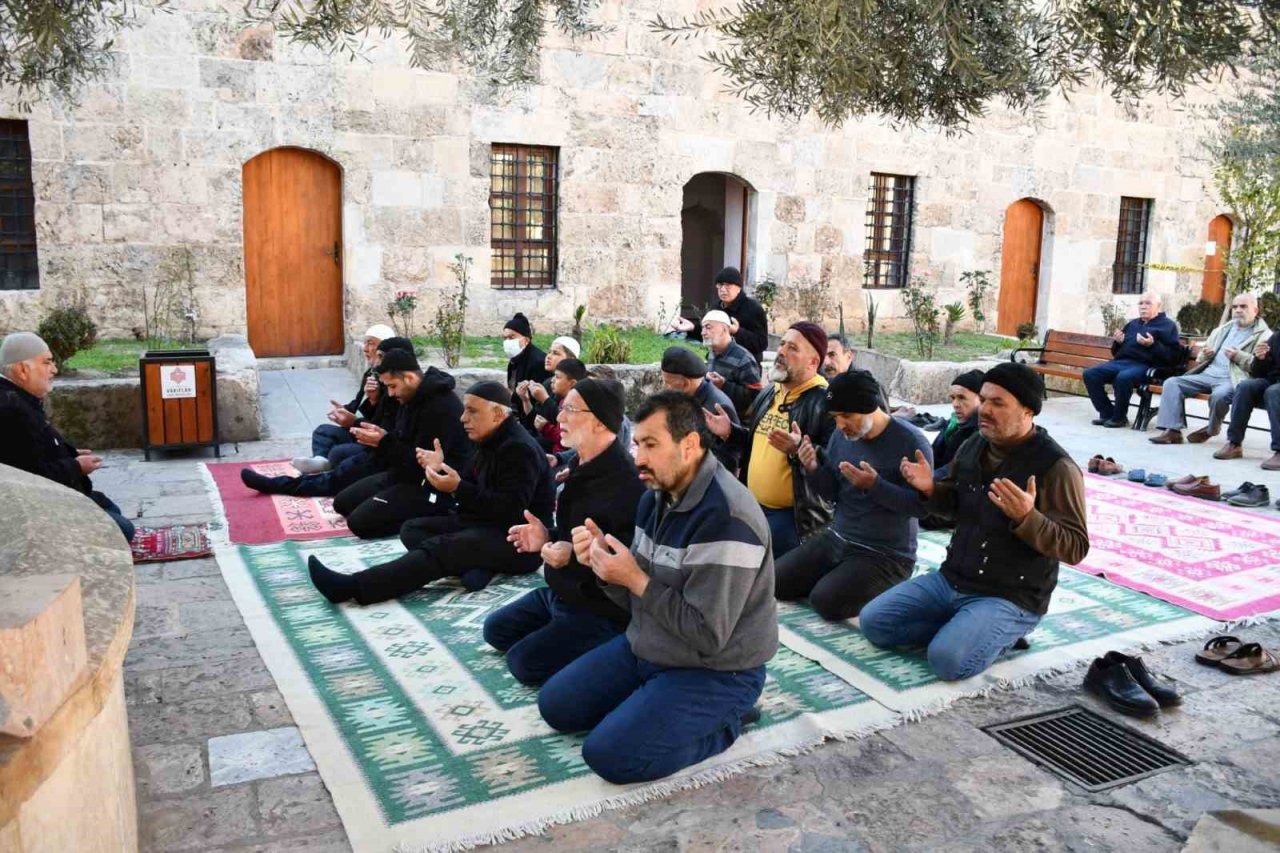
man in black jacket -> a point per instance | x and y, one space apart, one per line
730 367
547 629
963 423
429 411
782 414
684 371
525 362
1149 341
747 321
1261 388
27 438
508 476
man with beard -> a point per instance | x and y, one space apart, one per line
730 367
509 475
839 360
870 544
1018 502
548 628
698 583
782 414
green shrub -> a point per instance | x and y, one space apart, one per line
68 329
1269 308
1199 318
1028 331
607 345
924 313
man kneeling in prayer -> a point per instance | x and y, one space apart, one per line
1018 502
508 476
698 581
546 629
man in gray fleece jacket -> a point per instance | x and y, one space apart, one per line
698 581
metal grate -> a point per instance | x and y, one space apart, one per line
18 266
889 210
1086 748
1129 270
523 183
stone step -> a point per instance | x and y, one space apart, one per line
304 362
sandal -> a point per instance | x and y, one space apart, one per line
1249 659
1217 649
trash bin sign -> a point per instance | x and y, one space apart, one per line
179 400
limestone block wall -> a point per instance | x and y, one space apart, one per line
141 181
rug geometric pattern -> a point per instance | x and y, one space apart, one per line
254 518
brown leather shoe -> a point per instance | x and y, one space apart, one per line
1201 435
1169 436
1229 451
1206 491
1188 480
1272 464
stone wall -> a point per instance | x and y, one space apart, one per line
142 181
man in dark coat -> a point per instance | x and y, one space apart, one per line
547 629
684 371
747 321
730 368
509 475
28 440
1149 341
963 423
525 362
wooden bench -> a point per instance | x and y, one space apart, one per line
1067 354
1142 419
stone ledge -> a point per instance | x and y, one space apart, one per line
921 382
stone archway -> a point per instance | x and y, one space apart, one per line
715 219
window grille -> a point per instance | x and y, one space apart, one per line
19 269
523 188
889 214
1129 270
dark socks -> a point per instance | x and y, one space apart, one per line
335 586
476 579
268 485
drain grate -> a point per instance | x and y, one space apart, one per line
1086 748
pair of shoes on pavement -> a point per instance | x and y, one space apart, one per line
1174 436
1104 465
1125 683
1193 486
1248 494
1236 657
1140 475
1110 423
1235 451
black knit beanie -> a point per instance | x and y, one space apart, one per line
1020 381
520 325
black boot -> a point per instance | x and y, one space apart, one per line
1160 690
268 485
334 586
1110 680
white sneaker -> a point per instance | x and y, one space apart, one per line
311 464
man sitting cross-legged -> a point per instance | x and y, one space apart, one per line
698 582
550 627
1018 502
870 544
508 476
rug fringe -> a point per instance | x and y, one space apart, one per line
219 530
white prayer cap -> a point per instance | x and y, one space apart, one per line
571 346
21 346
716 316
381 331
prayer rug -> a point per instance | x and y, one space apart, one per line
1087 617
1209 557
162 544
253 518
422 736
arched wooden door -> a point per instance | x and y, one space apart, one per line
1019 266
1213 287
293 253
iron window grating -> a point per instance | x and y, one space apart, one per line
890 209
523 191
19 267
1129 270
1086 748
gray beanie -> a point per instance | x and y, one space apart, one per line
21 346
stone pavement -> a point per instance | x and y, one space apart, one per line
221 766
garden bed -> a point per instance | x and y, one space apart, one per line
118 356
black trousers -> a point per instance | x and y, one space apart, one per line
375 506
838 578
441 546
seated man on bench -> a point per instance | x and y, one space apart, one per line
1018 502
1149 341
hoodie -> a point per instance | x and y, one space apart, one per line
433 412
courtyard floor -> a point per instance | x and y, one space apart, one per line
221 766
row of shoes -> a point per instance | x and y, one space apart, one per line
1125 683
1192 485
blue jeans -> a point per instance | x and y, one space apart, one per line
646 721
782 529
353 463
542 635
1250 394
109 507
1122 375
328 436
965 633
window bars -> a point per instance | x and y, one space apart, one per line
19 269
523 186
1129 270
889 213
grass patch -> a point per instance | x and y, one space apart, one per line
646 347
965 346
114 354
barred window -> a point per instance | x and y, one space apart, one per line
1129 270
889 213
523 186
18 267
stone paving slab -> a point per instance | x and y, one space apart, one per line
257 755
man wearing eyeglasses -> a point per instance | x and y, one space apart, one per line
747 321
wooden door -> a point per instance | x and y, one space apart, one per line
293 253
1214 285
1019 266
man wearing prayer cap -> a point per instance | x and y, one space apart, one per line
27 438
509 475
870 544
1018 503
730 367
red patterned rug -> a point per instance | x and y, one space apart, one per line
253 518
162 544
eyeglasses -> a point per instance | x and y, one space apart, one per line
574 410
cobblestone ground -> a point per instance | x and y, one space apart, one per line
220 765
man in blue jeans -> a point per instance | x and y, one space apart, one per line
1262 388
1018 502
1149 341
698 582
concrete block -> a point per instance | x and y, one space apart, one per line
42 648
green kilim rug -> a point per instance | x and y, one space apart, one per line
1087 617
422 736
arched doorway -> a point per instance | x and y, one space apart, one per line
1213 288
1020 266
293 253
715 232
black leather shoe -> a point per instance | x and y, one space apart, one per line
268 485
1116 423
1253 496
1165 694
1098 421
1111 682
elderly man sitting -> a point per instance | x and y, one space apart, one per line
510 475
1149 341
1222 363
27 438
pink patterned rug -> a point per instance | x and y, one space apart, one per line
1209 557
256 519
